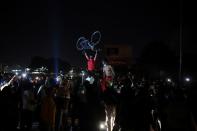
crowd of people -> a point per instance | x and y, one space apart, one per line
122 101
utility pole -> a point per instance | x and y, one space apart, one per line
180 44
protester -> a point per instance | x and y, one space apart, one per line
91 61
48 111
108 75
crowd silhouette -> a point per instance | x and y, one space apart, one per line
130 103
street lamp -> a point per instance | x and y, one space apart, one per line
169 80
187 79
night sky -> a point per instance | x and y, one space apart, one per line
50 28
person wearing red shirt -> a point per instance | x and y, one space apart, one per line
91 62
108 75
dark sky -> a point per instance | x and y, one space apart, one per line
50 28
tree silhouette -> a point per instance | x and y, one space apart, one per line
157 56
37 62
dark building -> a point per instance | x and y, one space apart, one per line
119 55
